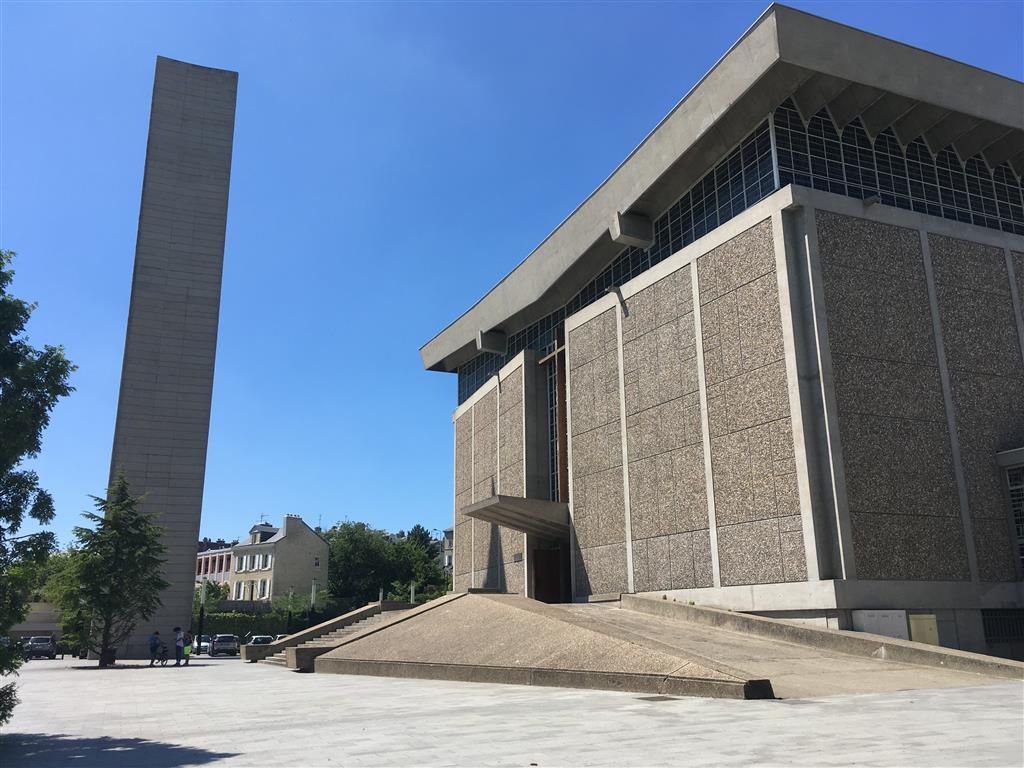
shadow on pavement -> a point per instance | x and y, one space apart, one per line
119 665
50 750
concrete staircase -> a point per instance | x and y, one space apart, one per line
330 640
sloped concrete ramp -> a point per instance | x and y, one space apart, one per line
510 639
651 647
798 670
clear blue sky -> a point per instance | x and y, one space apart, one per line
391 163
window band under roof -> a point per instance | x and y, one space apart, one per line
815 155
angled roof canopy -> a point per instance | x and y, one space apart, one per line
537 517
785 54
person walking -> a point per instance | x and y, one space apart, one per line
154 647
179 646
188 646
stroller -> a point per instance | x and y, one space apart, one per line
161 656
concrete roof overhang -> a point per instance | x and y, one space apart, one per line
785 54
537 517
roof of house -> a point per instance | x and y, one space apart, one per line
786 54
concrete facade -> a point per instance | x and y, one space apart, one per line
492 432
899 516
163 411
42 619
801 400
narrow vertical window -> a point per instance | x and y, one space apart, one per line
558 470
1015 481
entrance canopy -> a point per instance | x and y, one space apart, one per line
537 517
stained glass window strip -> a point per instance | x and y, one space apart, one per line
814 155
745 176
817 156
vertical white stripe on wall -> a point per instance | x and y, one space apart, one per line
625 450
836 467
496 487
472 495
1018 312
947 396
705 432
796 413
455 494
569 470
526 477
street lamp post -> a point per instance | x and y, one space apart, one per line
197 640
312 604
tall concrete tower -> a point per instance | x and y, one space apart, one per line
163 410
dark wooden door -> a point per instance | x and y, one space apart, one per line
547 576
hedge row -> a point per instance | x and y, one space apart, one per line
242 624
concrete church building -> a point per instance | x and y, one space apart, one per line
163 410
775 363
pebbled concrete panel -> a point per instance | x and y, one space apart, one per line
995 550
596 450
979 330
898 466
751 553
898 462
663 430
986 377
752 458
601 570
490 459
909 547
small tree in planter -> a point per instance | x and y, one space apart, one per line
116 575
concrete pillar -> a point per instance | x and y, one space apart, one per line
163 410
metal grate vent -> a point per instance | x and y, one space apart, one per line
1003 624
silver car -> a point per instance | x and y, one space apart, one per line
226 644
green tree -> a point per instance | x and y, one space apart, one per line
215 594
296 604
359 563
31 382
47 573
415 564
363 560
422 536
116 576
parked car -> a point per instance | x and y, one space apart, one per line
202 644
279 637
261 640
226 644
40 647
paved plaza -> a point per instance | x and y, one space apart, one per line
225 713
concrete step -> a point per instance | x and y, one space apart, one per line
332 640
335 637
